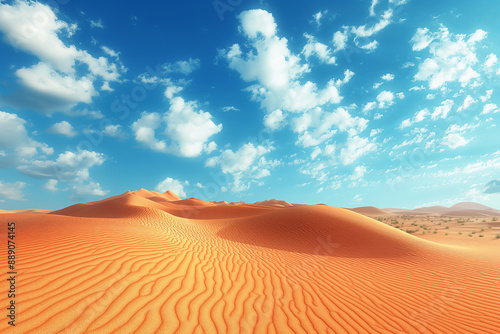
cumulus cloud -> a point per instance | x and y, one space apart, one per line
488 95
186 128
62 128
490 108
246 165
454 140
340 39
16 146
355 148
173 185
274 120
491 60
385 99
13 191
442 110
317 126
70 167
52 84
388 77
452 57
275 69
320 50
51 185
469 100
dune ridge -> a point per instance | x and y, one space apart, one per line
147 262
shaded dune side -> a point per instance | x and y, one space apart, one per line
302 229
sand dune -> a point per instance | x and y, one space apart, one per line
460 209
134 263
41 211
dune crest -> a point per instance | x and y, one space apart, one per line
149 262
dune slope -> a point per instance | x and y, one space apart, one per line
145 262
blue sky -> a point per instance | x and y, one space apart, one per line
391 103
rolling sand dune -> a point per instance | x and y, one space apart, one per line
460 209
134 263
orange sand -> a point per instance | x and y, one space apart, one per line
145 262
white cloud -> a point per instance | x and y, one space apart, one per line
340 40
385 99
318 49
144 129
13 191
372 7
317 126
490 108
452 57
15 144
420 115
363 31
488 95
89 188
182 66
112 130
70 167
242 159
173 185
318 16
491 60
454 140
275 69
430 96
51 185
442 110
370 46
406 123
62 128
43 79
96 24
469 100
356 147
417 88
53 84
388 77
369 106
274 120
229 108
246 165
187 128
257 22
358 173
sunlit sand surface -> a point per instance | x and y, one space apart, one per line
146 262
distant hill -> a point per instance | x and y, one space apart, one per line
459 209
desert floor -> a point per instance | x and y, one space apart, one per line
145 262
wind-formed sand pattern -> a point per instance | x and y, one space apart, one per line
147 262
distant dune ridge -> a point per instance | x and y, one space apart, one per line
457 210
149 262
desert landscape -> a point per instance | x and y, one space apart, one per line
150 262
